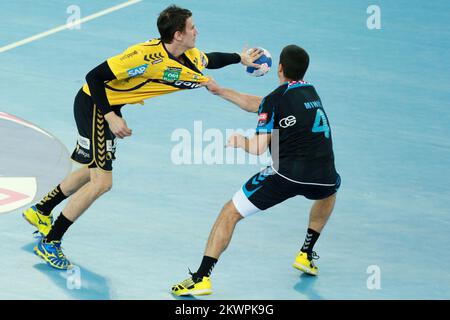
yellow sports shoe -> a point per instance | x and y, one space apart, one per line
190 287
305 263
42 222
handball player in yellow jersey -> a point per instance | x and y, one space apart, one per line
145 70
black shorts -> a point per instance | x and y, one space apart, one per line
267 189
96 144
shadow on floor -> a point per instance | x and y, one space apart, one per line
79 283
184 297
306 287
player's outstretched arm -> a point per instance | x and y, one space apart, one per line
244 101
217 60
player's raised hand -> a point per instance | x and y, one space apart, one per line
247 58
117 125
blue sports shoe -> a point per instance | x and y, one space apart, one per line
52 253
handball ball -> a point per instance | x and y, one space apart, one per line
265 61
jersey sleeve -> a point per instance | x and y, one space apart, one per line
128 64
217 60
266 115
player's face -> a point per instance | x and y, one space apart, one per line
190 34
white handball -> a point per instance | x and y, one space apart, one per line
265 61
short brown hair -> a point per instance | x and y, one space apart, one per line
171 20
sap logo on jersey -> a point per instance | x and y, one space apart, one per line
137 71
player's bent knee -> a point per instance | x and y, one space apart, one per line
101 181
231 212
325 205
102 187
106 187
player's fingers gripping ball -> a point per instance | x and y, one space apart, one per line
265 62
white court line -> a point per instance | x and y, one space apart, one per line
67 26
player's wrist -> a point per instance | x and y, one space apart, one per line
243 142
241 57
220 91
110 115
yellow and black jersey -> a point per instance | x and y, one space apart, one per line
148 70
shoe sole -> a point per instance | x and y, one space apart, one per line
304 269
42 256
202 292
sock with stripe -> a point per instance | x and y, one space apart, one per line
205 268
50 201
310 241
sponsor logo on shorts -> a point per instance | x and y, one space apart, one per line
111 145
82 153
137 71
83 142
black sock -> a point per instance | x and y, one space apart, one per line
50 201
58 229
205 268
310 241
